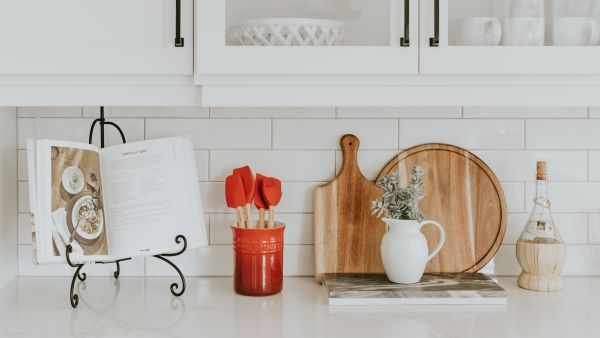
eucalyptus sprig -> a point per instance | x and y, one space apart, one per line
400 202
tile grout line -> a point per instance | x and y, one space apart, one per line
525 134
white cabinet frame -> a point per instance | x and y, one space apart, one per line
214 57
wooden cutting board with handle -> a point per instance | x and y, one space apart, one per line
346 236
464 196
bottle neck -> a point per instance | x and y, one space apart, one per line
541 191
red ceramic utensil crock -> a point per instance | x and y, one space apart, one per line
258 260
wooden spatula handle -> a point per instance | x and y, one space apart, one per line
240 218
249 224
271 216
261 218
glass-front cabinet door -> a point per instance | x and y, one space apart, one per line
510 37
306 37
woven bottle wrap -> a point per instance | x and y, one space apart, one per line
253 246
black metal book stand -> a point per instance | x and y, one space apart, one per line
163 257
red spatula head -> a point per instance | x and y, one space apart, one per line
271 190
259 202
234 191
247 181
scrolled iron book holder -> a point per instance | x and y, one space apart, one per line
176 289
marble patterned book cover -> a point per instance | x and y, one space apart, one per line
433 289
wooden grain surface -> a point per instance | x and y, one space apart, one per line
347 237
463 194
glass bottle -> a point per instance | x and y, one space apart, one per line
540 249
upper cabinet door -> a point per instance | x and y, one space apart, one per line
306 37
95 37
510 37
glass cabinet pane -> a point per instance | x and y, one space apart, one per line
523 22
313 22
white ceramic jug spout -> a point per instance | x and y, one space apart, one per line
404 250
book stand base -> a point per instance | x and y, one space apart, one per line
176 289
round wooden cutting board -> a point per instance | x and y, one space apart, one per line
463 194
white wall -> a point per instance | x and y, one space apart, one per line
300 146
8 194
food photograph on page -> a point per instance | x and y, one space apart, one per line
76 199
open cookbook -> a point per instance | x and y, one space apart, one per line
122 201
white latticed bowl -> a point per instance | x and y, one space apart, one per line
287 32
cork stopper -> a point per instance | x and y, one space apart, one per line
542 172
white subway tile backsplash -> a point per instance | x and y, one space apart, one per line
521 165
160 112
594 228
582 260
572 227
505 261
577 197
215 133
298 228
326 134
76 130
525 112
273 112
23 199
301 147
514 193
49 111
594 112
594 165
370 161
287 165
24 229
202 164
470 134
399 112
563 134
22 174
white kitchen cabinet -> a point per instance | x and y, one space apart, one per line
526 37
95 37
371 44
371 68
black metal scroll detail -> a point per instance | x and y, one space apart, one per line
175 286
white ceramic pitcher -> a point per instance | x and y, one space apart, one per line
404 250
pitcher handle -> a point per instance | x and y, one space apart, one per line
438 247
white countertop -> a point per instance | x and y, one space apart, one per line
144 307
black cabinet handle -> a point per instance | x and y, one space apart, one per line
435 40
405 41
178 38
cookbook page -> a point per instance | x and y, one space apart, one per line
146 187
68 202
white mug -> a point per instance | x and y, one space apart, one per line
523 31
478 31
575 31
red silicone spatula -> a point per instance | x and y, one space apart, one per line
248 183
234 194
259 202
272 194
